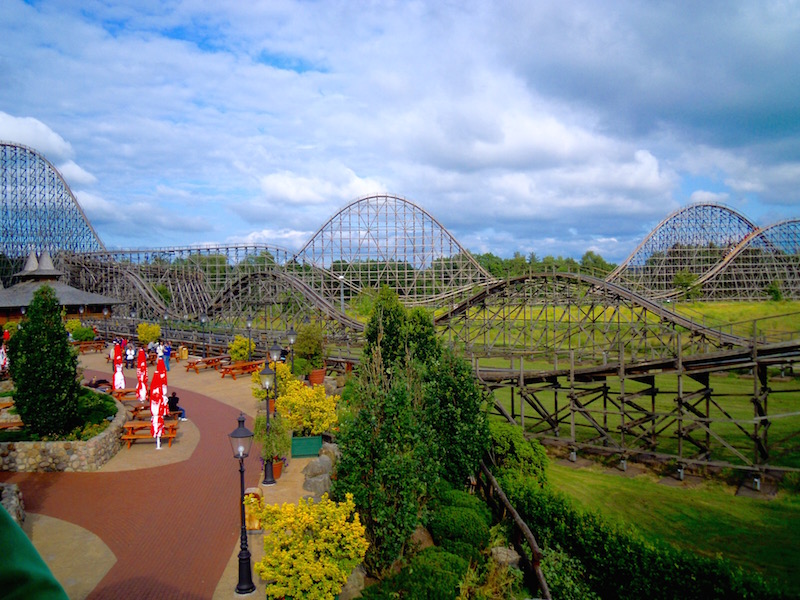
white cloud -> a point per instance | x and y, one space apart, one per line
35 134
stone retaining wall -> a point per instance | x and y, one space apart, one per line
40 457
11 498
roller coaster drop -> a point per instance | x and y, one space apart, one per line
593 360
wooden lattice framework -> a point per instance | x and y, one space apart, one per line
37 211
724 254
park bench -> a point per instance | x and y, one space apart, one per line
91 345
11 424
212 362
140 430
6 404
241 368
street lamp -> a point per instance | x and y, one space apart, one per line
80 312
291 335
249 324
266 376
166 321
274 355
133 322
203 319
105 317
241 439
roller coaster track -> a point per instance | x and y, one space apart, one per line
594 284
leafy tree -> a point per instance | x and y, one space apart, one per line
686 281
43 367
420 336
595 264
386 328
453 410
774 291
388 460
163 291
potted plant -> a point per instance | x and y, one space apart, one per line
310 548
309 412
276 441
309 350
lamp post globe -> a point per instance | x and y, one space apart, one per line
105 318
241 439
267 376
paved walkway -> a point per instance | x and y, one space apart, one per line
156 523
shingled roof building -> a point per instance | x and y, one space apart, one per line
38 272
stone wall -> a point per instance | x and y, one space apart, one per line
11 498
40 457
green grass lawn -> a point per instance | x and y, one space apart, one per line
709 519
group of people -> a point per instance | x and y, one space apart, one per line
163 350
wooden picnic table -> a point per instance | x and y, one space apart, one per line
140 430
125 394
241 367
211 362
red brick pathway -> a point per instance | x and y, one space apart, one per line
172 528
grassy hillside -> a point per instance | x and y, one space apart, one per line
709 519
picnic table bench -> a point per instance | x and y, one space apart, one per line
140 430
93 345
11 424
140 407
212 362
241 368
125 394
6 404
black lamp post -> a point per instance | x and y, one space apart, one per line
291 335
166 321
203 319
275 355
249 324
266 375
105 318
80 312
241 439
133 322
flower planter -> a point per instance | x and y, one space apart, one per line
277 469
316 377
306 446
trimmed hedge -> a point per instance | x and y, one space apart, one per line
461 525
463 499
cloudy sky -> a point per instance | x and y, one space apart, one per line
534 126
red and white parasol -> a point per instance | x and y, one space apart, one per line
158 401
141 375
119 378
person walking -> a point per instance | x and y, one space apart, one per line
167 354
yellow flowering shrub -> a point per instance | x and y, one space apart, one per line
286 382
310 548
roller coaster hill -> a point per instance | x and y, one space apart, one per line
604 365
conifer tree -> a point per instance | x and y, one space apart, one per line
43 366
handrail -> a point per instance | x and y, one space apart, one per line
536 552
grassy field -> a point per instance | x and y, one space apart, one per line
708 519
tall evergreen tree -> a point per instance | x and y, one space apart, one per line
43 366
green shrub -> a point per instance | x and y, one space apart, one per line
466 551
565 576
433 574
83 334
618 562
459 524
241 348
510 450
459 498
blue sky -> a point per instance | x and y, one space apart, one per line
546 127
